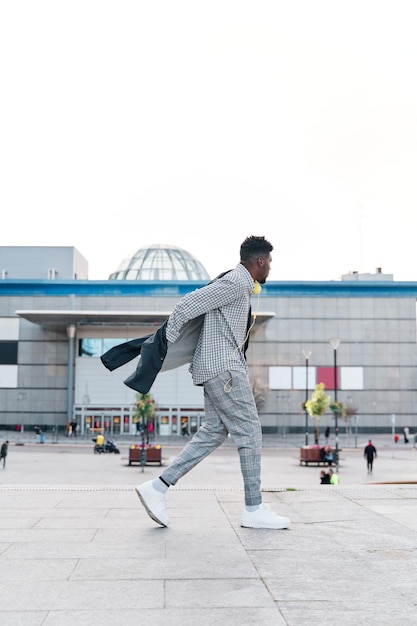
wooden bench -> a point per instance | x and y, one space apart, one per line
153 454
312 455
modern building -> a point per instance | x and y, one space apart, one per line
55 324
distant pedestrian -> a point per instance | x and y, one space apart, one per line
334 478
370 453
327 434
151 430
327 455
324 478
3 453
406 434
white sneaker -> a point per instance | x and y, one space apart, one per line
264 518
154 503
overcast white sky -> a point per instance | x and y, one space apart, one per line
126 123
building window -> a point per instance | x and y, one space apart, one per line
280 378
8 376
96 346
8 352
90 347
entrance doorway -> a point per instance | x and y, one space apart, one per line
110 422
178 421
115 421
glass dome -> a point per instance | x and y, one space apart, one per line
160 262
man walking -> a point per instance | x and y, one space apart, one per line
219 366
370 453
3 453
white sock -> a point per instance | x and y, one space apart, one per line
159 485
251 509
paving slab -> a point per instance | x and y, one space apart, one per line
76 545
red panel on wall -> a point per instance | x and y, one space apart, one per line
326 375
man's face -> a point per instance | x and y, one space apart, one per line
264 267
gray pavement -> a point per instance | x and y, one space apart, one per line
76 546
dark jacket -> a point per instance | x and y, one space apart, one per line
369 451
154 354
152 350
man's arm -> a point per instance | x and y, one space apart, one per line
201 301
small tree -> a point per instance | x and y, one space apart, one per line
144 409
317 406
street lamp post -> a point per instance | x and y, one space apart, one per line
283 414
335 343
21 397
142 449
307 355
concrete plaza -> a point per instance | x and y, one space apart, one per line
76 546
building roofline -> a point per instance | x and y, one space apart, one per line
121 288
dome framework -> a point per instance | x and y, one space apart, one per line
160 262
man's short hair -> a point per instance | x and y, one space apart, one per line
253 247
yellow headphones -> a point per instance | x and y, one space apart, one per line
256 288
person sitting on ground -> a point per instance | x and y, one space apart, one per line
334 478
324 478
